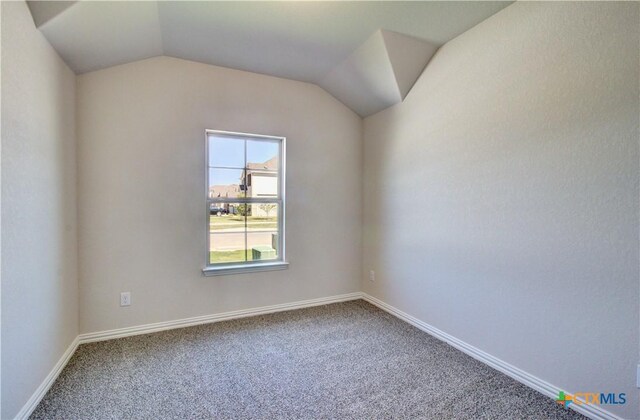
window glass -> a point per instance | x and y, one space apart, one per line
244 201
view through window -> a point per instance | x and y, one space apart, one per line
245 207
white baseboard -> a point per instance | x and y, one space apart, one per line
591 411
35 399
544 387
206 319
33 402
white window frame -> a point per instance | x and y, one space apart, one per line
248 266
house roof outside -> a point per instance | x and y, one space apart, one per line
269 165
225 191
233 190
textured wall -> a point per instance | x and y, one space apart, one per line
39 254
141 190
501 198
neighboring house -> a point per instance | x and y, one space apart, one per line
262 181
225 191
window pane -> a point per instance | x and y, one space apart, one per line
262 231
227 232
263 152
262 168
262 216
227 247
226 183
226 152
226 217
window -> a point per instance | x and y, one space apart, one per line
245 202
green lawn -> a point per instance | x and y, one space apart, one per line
237 255
235 221
228 256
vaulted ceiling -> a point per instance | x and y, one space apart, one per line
366 54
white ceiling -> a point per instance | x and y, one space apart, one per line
304 41
379 73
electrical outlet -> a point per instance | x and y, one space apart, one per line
372 276
125 299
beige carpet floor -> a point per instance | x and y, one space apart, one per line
341 361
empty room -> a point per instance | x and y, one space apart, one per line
320 210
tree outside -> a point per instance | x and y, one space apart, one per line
267 208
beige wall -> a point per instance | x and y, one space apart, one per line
501 198
39 265
142 194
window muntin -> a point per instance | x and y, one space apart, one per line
245 199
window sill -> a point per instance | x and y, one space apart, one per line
244 268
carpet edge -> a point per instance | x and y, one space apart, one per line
46 384
207 319
48 381
525 378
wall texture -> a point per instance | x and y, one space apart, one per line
141 190
501 198
39 254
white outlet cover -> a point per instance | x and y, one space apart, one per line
125 299
372 276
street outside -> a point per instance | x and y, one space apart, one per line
227 236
